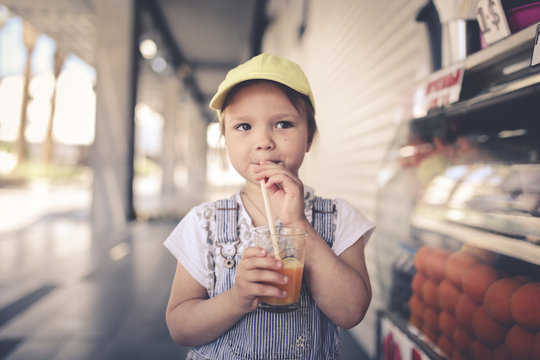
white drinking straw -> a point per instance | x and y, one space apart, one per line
270 219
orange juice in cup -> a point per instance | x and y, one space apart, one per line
293 269
291 244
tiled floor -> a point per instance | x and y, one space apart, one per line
69 293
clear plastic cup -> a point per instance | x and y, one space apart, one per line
292 247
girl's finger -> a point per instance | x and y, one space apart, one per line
283 182
254 252
256 258
266 276
267 290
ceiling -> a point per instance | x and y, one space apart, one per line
204 38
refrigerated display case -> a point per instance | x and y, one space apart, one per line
458 217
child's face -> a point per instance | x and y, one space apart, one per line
261 124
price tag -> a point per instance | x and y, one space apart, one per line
492 20
536 50
444 87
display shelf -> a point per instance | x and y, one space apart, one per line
501 94
443 197
519 249
497 75
515 43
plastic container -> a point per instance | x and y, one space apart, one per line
523 16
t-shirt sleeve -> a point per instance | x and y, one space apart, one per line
351 225
187 242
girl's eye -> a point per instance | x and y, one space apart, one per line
284 125
243 127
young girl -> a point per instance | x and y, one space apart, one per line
266 111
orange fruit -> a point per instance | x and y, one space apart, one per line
446 345
456 265
536 346
487 329
465 309
435 264
525 305
477 279
497 299
458 356
519 342
431 333
448 296
429 294
417 282
431 318
447 323
501 352
416 305
420 259
480 351
463 340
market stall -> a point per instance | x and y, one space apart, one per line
458 248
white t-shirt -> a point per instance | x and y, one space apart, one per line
192 246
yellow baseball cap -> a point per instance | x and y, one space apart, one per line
267 67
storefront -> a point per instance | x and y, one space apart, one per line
458 236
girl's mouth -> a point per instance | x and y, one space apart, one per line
278 162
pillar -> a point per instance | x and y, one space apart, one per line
112 152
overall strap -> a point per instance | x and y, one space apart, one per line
226 220
227 230
323 218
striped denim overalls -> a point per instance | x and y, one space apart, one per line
305 333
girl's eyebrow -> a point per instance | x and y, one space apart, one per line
274 117
240 118
285 115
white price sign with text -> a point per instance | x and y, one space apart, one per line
492 20
444 87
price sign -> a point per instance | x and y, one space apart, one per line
396 343
536 50
492 20
444 87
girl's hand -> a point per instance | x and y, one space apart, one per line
254 275
286 192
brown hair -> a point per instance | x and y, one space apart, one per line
300 101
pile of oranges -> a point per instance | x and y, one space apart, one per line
470 310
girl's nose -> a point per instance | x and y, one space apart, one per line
264 141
